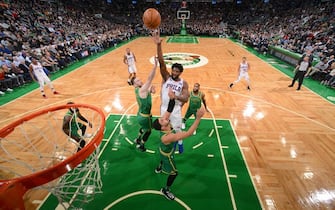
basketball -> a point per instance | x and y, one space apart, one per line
151 18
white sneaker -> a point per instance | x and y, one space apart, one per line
2 93
183 126
10 90
195 132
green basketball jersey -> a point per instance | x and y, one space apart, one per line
144 104
73 122
195 101
166 149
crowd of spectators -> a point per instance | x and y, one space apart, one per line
61 32
57 35
295 26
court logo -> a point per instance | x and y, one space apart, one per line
188 60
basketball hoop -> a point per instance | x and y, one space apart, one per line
183 14
35 152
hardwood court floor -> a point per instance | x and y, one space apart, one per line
287 136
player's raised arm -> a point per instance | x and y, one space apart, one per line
147 84
158 41
173 137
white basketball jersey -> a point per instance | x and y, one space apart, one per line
176 87
130 59
244 67
37 69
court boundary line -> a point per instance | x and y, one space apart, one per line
247 166
141 192
231 192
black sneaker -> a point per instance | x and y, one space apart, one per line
141 147
158 170
167 194
130 82
290 86
248 88
231 85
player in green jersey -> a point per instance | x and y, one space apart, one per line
73 128
194 103
143 97
167 146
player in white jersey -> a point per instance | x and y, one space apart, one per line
130 60
176 84
242 69
37 73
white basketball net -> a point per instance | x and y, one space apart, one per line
79 185
40 143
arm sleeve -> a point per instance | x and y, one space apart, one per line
172 102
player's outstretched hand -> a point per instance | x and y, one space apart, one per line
156 36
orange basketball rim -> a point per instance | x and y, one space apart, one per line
13 190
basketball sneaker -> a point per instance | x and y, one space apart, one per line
248 88
195 132
158 170
231 85
139 145
183 126
129 82
169 195
44 96
55 92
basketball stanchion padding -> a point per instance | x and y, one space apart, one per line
36 153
